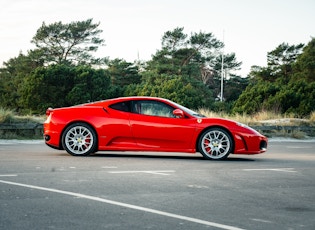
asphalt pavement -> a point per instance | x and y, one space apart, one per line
43 188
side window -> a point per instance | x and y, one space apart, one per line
153 108
121 106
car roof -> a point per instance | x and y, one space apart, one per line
122 99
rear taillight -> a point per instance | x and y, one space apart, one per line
49 111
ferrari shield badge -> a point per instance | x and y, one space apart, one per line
199 120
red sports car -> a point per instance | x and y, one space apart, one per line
147 124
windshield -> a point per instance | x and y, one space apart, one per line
189 111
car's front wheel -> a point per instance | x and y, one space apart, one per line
215 144
79 139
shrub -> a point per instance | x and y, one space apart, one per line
6 115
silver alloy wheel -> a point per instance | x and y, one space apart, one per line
79 140
215 144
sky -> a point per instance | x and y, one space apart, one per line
133 29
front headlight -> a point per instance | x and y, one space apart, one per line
248 128
242 125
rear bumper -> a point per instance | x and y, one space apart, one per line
52 138
52 146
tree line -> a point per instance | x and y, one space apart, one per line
62 71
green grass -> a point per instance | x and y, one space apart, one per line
263 118
8 116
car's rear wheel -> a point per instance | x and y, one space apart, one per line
79 139
215 144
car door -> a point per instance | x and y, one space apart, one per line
116 132
154 126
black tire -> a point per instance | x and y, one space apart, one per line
215 144
79 139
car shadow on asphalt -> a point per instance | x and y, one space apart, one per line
195 157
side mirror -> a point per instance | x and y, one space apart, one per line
179 113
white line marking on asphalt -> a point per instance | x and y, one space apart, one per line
109 167
275 169
298 147
162 172
149 210
263 221
7 175
197 186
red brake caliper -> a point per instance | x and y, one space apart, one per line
207 147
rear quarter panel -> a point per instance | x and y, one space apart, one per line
59 119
